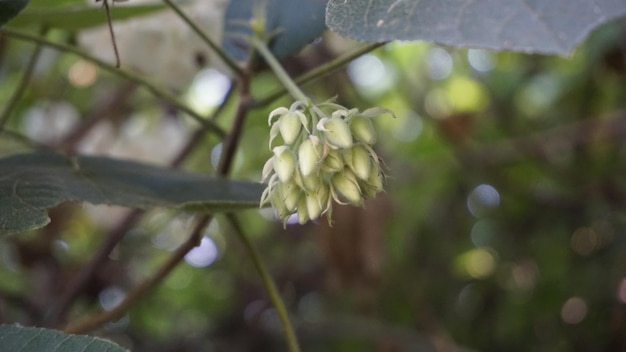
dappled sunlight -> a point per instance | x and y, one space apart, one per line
482 199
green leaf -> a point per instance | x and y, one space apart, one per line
28 339
294 23
531 26
32 183
10 8
77 16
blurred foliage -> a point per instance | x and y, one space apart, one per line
502 227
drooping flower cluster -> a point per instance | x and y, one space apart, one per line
325 157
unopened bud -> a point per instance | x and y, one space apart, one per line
359 161
362 129
303 215
279 204
290 194
346 187
284 163
290 125
309 154
336 131
333 162
313 206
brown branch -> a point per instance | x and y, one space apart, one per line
93 322
232 140
104 110
117 234
538 145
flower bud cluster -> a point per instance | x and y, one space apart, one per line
324 157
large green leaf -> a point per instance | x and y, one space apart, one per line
294 23
10 8
78 15
32 183
532 26
28 339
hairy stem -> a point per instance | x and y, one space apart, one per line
130 76
280 73
228 60
320 72
269 283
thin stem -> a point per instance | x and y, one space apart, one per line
269 283
231 143
157 91
93 322
21 88
88 271
320 71
107 10
280 73
228 60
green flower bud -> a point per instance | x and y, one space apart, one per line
358 159
312 182
323 194
313 206
336 132
290 125
284 163
362 129
303 215
333 162
346 188
309 154
290 194
279 204
373 184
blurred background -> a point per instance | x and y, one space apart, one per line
503 226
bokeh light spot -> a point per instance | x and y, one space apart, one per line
438 64
482 233
480 60
621 291
367 71
574 310
203 255
466 94
408 127
584 240
477 263
208 89
110 297
482 199
82 74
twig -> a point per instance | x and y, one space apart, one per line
145 287
106 108
228 60
117 234
24 80
199 134
105 3
230 144
270 286
130 76
78 283
136 294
